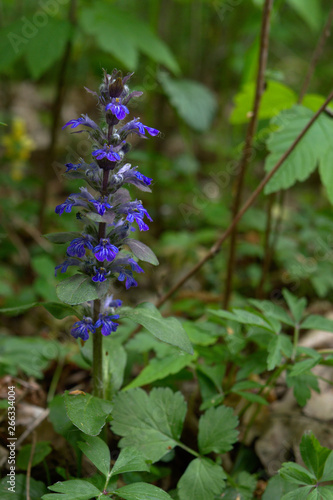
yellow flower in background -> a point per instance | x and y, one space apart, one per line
18 146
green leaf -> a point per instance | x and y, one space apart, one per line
61 237
276 98
158 369
316 322
168 330
277 487
98 453
61 423
41 54
130 460
328 469
58 310
87 412
77 289
75 489
298 494
278 346
217 430
115 361
314 455
296 474
304 366
194 102
251 396
200 333
142 251
296 306
124 36
142 491
203 479
311 151
243 489
42 450
272 311
309 11
301 385
16 311
152 423
37 488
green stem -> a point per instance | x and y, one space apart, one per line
189 450
55 379
296 338
97 366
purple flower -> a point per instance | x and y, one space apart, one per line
78 246
64 265
143 178
108 326
135 266
130 281
101 206
117 108
105 250
110 303
82 328
100 274
73 166
83 120
138 128
106 152
135 212
66 206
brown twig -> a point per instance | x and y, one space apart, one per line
57 107
33 446
217 245
325 34
247 150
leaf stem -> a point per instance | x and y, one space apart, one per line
295 342
189 450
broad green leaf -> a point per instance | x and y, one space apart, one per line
272 311
200 333
309 11
168 330
13 43
98 453
41 54
277 487
16 311
130 460
61 423
75 489
310 152
115 365
59 310
296 474
87 412
314 455
158 369
279 345
62 237
194 102
42 450
276 97
142 251
123 35
301 385
217 430
298 494
152 423
203 479
77 289
328 469
296 306
142 491
316 322
37 488
324 493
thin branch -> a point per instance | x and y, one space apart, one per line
217 245
33 446
325 34
247 150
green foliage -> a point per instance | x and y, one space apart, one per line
77 289
87 412
75 489
41 451
202 479
142 251
168 330
37 488
217 430
142 491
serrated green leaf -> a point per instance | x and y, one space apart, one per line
151 423
316 322
314 455
304 366
296 306
77 289
75 489
217 430
40 53
203 479
310 152
158 369
168 330
42 450
301 385
194 102
295 473
298 494
98 453
276 98
273 311
277 487
130 460
87 412
279 345
142 491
